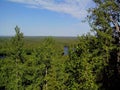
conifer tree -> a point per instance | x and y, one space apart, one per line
18 60
81 64
104 20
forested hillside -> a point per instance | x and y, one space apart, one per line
92 63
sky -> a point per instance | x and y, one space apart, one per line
44 17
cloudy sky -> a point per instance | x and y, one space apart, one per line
44 17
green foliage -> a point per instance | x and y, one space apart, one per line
81 64
104 20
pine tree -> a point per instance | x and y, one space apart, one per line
17 61
104 20
81 65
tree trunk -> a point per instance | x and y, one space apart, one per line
46 79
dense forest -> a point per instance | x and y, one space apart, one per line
92 61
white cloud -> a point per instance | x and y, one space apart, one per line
75 8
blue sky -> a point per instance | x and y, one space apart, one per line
44 17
